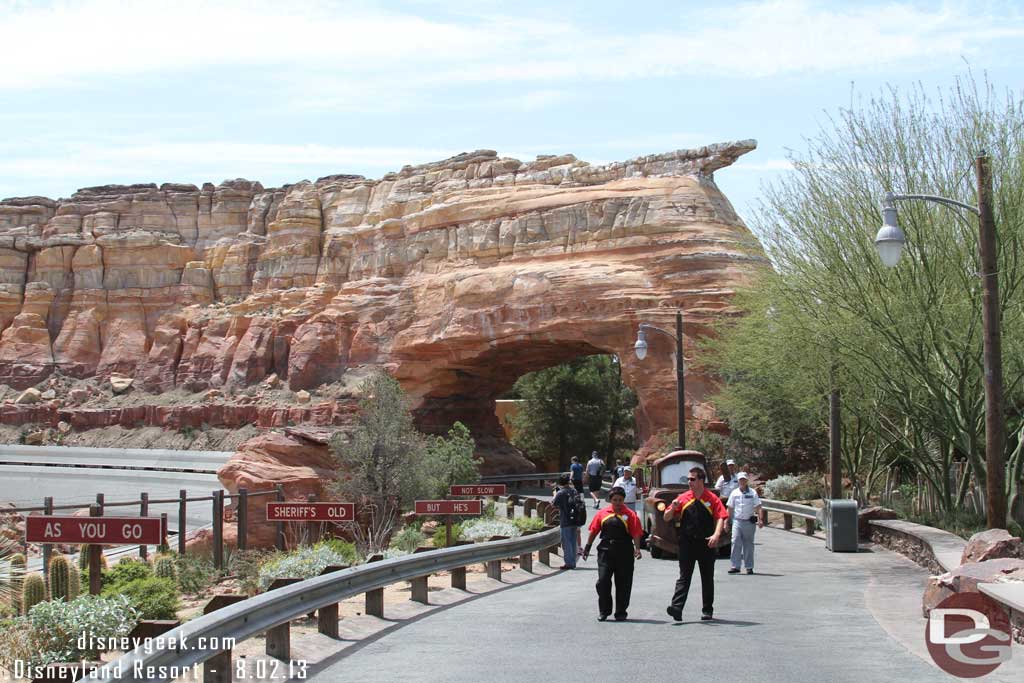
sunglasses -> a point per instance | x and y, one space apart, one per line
693 478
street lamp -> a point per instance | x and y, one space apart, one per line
890 241
640 347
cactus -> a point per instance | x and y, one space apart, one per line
33 592
166 569
17 578
60 580
83 557
74 584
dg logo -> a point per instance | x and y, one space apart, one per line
968 635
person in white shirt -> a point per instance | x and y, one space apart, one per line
727 482
745 507
628 484
595 474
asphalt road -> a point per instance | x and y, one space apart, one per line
807 615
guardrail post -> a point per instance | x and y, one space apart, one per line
459 578
787 521
327 616
542 510
526 562
217 669
182 512
144 512
279 638
279 536
242 518
494 570
95 555
510 508
47 548
419 587
218 529
764 517
809 527
375 603
544 556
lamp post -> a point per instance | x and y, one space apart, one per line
641 352
890 241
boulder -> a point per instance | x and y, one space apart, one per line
965 579
120 383
63 427
302 396
992 544
873 512
30 395
36 438
48 395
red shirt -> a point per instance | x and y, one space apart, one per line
712 502
628 517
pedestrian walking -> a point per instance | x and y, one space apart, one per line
565 501
576 470
745 506
619 548
627 483
595 474
700 518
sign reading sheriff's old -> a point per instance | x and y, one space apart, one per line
478 490
94 530
449 507
311 512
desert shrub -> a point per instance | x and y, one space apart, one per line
245 565
482 529
528 523
124 572
392 552
195 574
153 597
439 538
408 539
344 548
302 563
793 487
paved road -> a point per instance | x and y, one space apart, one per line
809 615
123 458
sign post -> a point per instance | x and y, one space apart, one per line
447 508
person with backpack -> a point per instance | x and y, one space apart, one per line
568 503
619 548
595 474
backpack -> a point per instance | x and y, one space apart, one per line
578 511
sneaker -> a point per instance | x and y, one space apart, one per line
675 613
602 617
749 571
621 617
707 616
736 570
565 566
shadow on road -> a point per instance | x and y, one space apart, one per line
729 622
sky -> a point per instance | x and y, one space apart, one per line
95 92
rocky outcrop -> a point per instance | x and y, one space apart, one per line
457 276
965 579
993 544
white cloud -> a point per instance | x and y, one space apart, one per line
358 56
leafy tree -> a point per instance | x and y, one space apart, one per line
573 409
450 460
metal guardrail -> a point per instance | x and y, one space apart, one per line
536 476
256 615
811 515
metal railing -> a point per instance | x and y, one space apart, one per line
810 515
245 619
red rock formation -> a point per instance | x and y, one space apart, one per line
966 577
993 544
457 276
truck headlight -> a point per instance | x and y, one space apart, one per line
661 507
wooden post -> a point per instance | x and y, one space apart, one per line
242 518
327 616
217 669
544 556
95 553
312 528
163 532
447 531
99 503
375 603
787 521
494 570
47 548
182 511
526 562
144 512
279 537
459 578
218 529
809 527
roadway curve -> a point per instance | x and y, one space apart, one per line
809 615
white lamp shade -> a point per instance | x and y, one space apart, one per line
889 241
640 347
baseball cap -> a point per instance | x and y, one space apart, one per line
627 468
730 461
742 475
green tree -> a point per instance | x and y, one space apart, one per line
573 409
451 461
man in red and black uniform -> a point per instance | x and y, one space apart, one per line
699 516
620 545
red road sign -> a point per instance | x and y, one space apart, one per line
94 530
478 490
449 507
311 512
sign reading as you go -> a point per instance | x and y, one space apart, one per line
449 507
478 490
94 530
311 512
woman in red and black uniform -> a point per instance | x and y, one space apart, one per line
620 545
700 516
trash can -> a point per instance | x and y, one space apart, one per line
841 525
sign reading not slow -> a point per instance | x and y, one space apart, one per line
478 490
311 512
94 530
449 507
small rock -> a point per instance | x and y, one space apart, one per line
35 438
302 396
866 515
213 394
272 381
32 395
63 427
48 395
992 544
78 395
120 383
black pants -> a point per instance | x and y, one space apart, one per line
614 562
578 485
693 550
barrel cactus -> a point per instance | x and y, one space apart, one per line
17 578
33 592
75 584
60 578
165 568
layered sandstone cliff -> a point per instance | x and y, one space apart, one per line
457 276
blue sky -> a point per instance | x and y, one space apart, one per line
97 92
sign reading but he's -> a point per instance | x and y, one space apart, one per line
449 507
94 530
